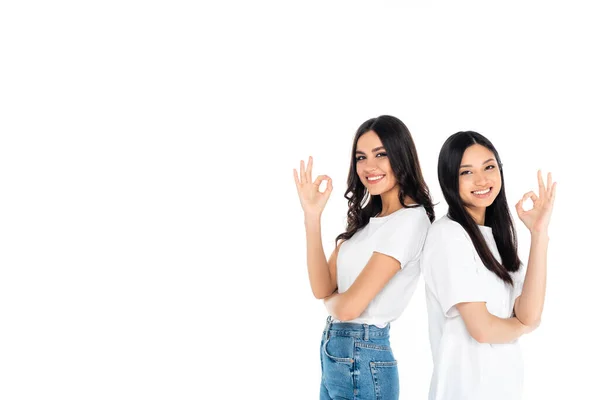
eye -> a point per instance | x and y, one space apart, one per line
358 158
465 172
381 154
490 167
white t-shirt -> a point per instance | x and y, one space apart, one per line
464 369
400 235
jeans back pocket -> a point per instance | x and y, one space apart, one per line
385 379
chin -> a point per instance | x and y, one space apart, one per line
484 203
378 192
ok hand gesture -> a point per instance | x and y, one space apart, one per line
313 201
538 218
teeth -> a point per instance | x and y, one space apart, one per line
374 178
483 191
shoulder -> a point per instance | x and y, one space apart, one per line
448 246
445 231
405 223
415 216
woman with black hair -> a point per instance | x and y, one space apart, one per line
479 298
373 271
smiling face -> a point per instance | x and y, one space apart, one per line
373 166
479 180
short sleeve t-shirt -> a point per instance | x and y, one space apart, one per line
399 235
465 369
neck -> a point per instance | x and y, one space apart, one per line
478 214
390 202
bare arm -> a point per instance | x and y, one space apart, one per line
321 274
487 328
530 304
372 279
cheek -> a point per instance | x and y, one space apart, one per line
498 184
497 180
359 169
463 189
384 164
392 178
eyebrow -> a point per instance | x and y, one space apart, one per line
373 151
470 166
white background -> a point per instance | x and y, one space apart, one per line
151 239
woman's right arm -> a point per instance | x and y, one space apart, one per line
321 274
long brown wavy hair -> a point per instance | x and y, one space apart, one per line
402 154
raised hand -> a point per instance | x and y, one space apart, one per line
313 201
538 218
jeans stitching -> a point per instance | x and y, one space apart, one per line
374 346
374 373
336 359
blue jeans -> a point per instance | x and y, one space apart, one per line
357 363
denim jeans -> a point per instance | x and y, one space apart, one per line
357 363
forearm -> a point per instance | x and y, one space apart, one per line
318 269
505 330
485 327
339 306
529 306
499 330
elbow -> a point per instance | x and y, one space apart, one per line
345 313
346 316
322 294
480 336
532 322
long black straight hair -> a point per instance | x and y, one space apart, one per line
402 154
497 215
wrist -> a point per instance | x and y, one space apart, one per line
539 234
312 218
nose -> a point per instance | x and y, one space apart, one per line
371 166
480 180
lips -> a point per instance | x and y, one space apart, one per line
482 194
373 179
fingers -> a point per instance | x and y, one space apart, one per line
302 172
541 184
306 173
528 195
553 194
329 188
320 179
296 179
519 207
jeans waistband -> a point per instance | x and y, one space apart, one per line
363 331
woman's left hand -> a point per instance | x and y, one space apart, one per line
538 218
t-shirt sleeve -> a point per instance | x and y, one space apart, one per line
403 237
454 270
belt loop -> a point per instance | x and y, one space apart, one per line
327 327
366 332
